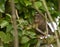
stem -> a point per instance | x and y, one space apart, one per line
49 15
40 31
33 4
46 24
38 43
57 39
58 5
1 44
14 24
59 11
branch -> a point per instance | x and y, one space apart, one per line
49 15
14 23
33 5
45 5
46 24
33 26
40 31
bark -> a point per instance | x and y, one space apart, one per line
14 23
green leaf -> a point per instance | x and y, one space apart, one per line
8 38
2 5
31 34
38 43
1 46
4 23
16 1
33 41
2 1
8 15
24 39
26 45
38 4
2 35
2 8
23 22
20 33
9 28
27 2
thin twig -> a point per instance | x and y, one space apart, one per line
40 31
33 5
17 15
57 39
46 24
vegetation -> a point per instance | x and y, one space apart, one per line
23 23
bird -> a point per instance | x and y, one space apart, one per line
41 23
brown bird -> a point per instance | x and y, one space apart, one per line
41 23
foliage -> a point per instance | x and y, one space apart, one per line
26 11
